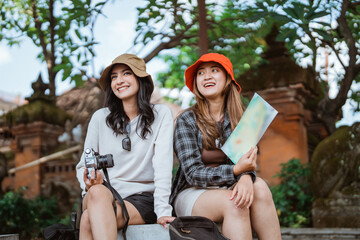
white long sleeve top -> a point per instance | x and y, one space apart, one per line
146 168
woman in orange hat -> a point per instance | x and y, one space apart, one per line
207 183
139 136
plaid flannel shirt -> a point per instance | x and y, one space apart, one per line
188 143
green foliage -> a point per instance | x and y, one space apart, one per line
292 197
174 77
299 20
177 27
17 214
61 29
26 217
47 211
164 19
310 30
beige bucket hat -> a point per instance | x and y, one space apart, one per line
136 64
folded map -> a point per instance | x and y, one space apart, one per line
251 127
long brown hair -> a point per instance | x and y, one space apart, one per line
206 123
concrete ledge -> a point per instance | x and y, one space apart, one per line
158 232
145 232
320 233
9 237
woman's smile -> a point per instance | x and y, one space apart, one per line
122 88
209 84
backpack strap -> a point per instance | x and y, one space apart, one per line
118 198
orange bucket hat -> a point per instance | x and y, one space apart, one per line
209 57
136 64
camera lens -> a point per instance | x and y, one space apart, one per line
105 161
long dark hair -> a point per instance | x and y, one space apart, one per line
117 119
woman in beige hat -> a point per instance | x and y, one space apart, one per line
139 136
207 183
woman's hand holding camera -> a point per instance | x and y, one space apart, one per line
92 181
246 163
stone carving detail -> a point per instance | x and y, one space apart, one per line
39 88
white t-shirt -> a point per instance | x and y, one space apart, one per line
146 168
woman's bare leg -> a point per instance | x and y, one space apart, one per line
85 228
99 221
263 214
98 203
135 217
215 205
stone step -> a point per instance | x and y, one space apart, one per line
158 232
145 232
9 237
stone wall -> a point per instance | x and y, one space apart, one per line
32 141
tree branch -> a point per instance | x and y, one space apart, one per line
52 30
16 23
38 28
312 38
176 18
227 29
314 52
354 5
357 69
328 109
160 47
92 28
340 99
176 41
12 38
337 55
173 42
51 61
331 45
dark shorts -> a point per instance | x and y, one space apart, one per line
143 202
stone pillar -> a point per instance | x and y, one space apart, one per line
291 90
32 141
286 137
36 127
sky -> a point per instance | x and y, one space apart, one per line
115 33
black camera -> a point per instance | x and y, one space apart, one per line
94 161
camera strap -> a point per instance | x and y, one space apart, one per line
118 198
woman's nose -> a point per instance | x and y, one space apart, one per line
207 75
118 79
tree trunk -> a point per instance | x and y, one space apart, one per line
52 76
329 109
51 62
203 38
49 57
